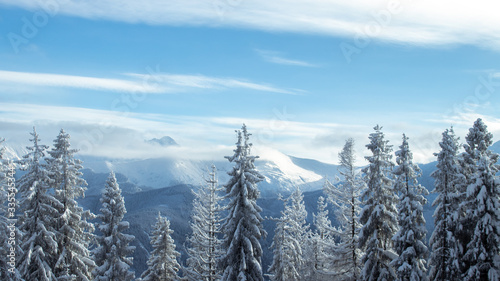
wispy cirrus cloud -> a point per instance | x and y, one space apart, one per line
424 22
139 83
278 58
72 81
206 82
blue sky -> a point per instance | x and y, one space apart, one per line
196 70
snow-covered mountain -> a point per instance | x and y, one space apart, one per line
282 173
164 141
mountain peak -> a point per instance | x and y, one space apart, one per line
164 141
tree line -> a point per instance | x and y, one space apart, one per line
381 232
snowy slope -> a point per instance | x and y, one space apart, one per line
281 173
13 153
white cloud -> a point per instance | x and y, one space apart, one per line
276 57
205 82
122 134
107 133
60 80
136 83
405 21
462 121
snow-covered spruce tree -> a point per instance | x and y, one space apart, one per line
74 231
409 240
162 263
278 268
297 227
289 240
346 197
320 244
242 227
482 206
8 223
204 244
112 256
40 209
445 256
379 215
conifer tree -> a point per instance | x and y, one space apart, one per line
320 247
278 269
40 208
482 206
409 241
204 250
112 256
445 256
242 227
289 240
162 263
346 197
379 216
74 231
297 227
